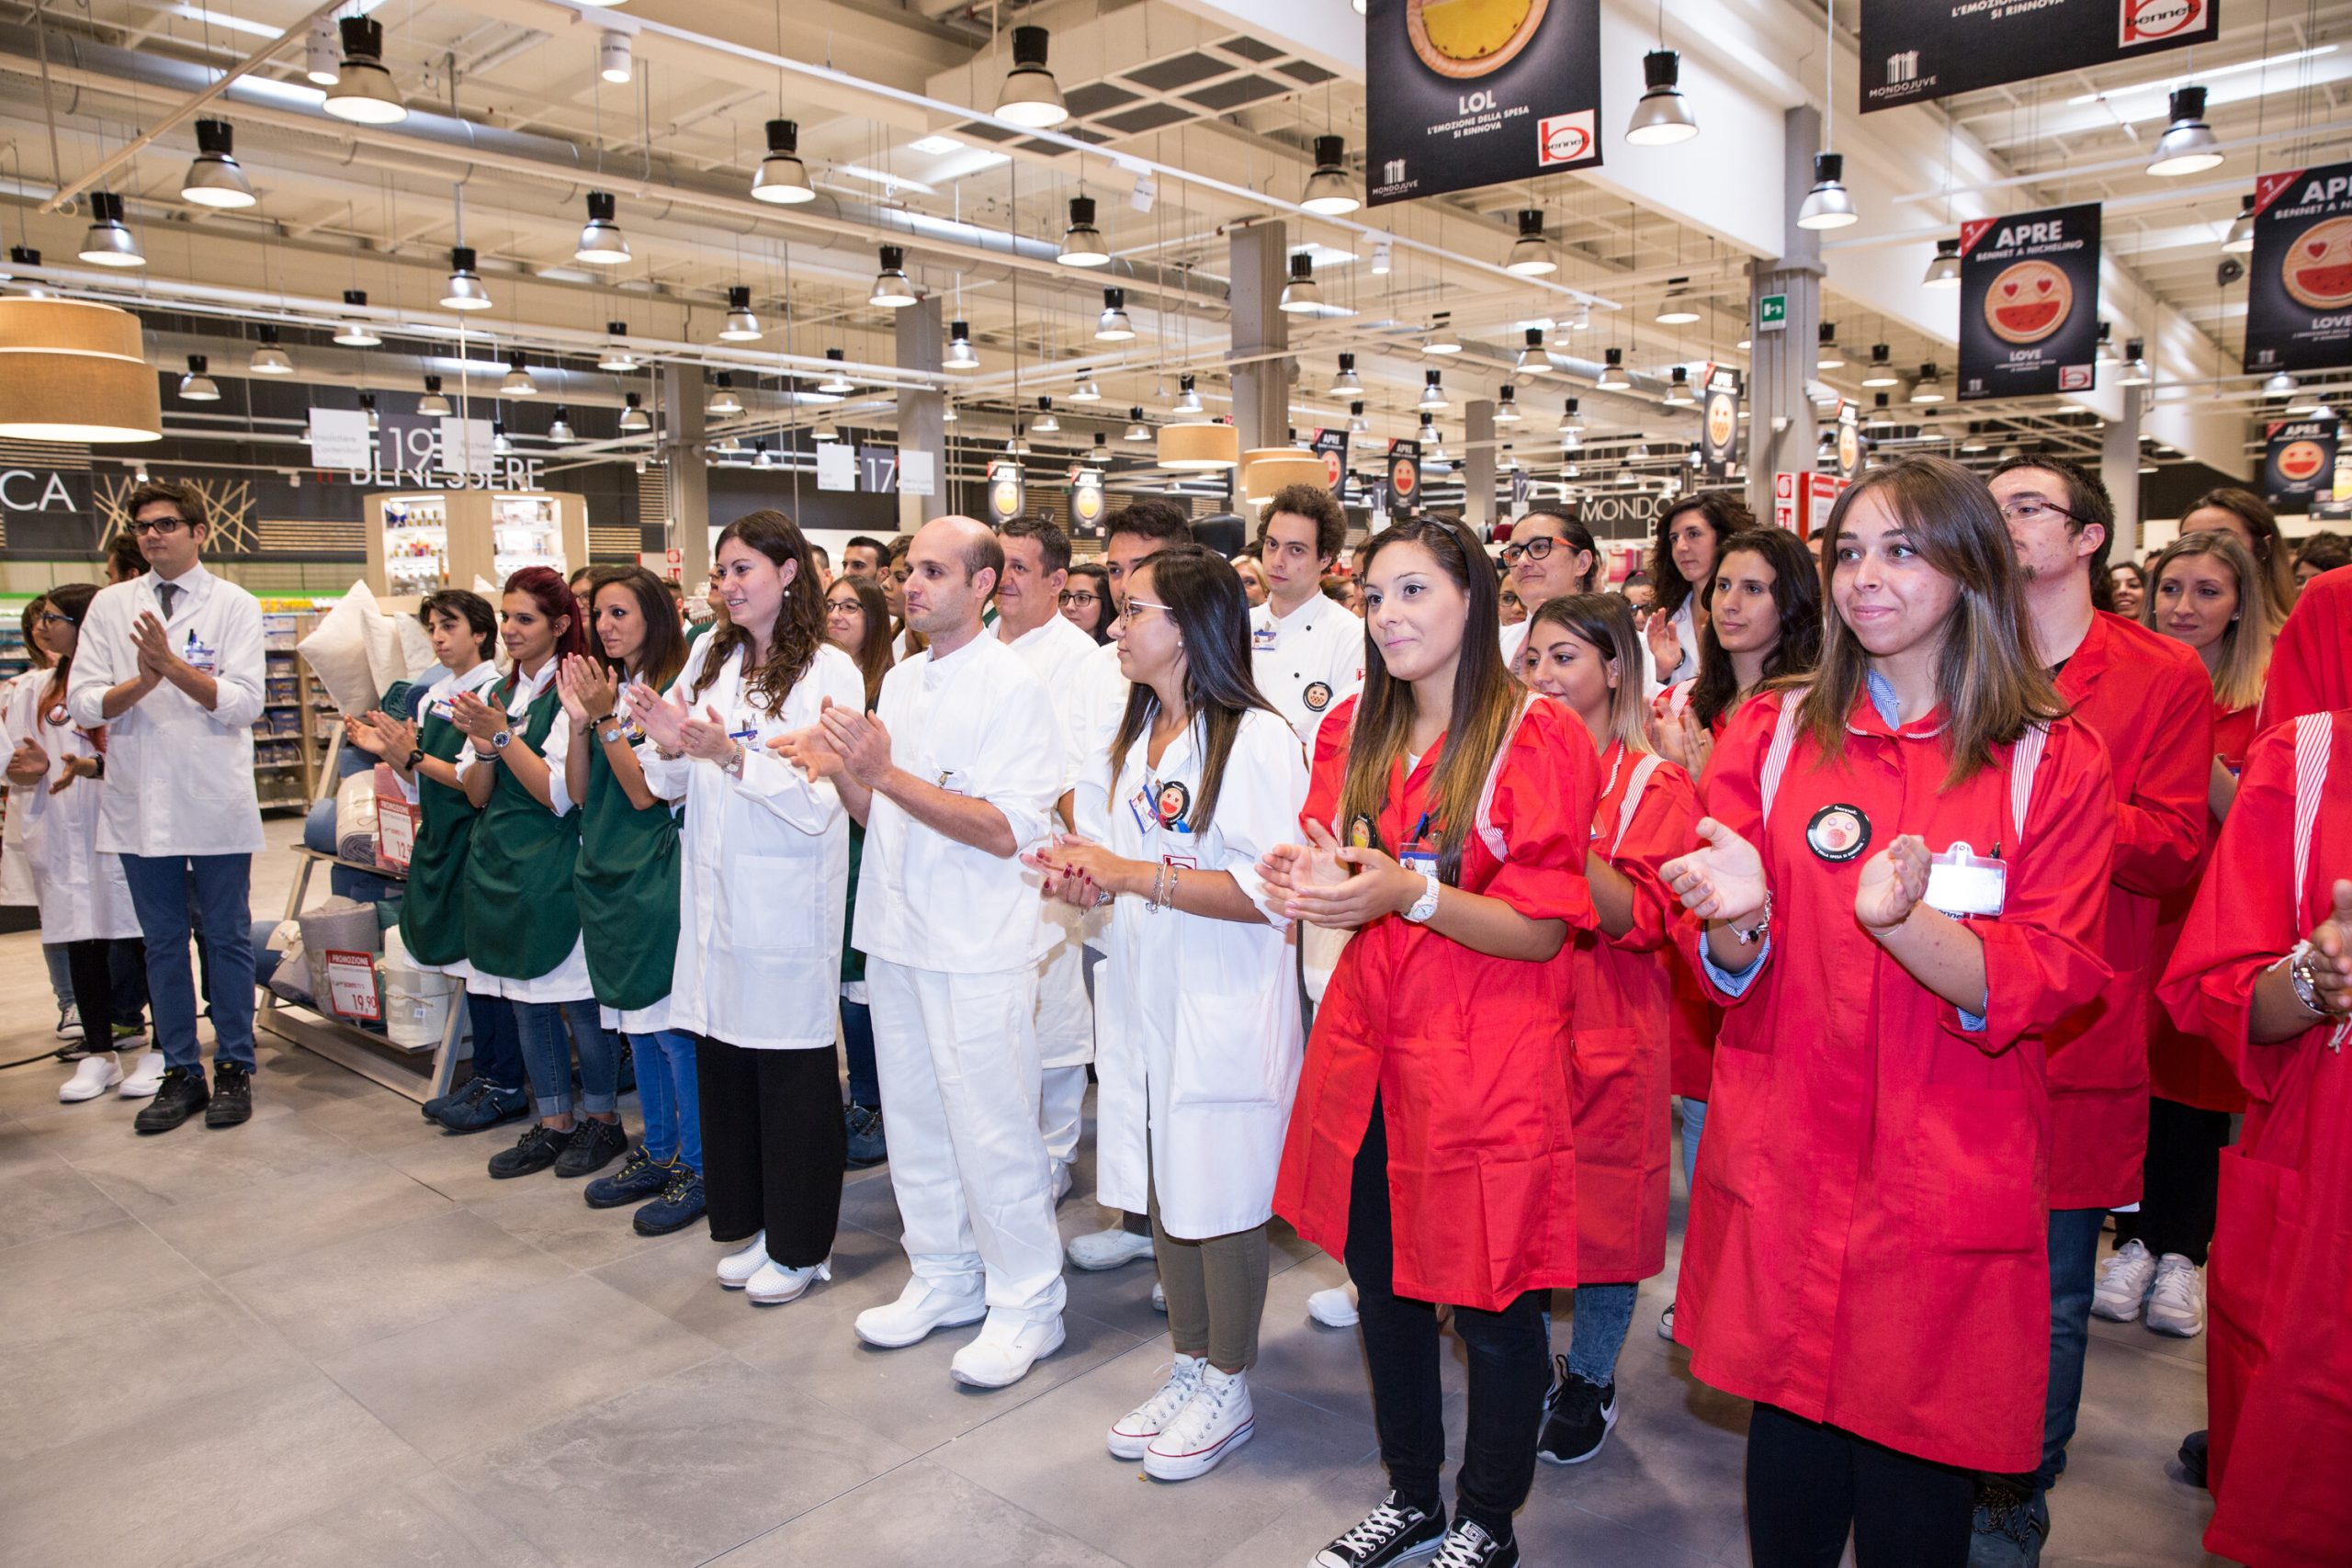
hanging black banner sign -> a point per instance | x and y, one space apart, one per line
1005 492
1719 419
2029 303
2299 282
1404 478
1848 465
1472 93
2299 465
1917 50
1331 445
1086 503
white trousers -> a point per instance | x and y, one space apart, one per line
957 1058
1062 1111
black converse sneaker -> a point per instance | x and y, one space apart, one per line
1577 1417
1390 1533
1467 1545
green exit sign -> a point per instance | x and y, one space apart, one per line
1772 313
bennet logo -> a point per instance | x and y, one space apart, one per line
2151 21
1565 137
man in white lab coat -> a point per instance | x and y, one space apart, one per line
1306 650
171 664
955 774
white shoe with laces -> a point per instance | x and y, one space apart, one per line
1665 1323
2176 1301
1334 1308
735 1269
1216 1421
1111 1248
92 1077
2123 1281
146 1076
1133 1433
775 1284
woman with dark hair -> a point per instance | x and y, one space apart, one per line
424 752
857 621
522 917
16 874
763 888
1086 600
1903 883
84 901
1635 1009
626 881
2249 518
2127 588
1447 824
1691 535
1550 555
1197 1015
1770 600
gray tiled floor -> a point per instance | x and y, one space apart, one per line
327 1338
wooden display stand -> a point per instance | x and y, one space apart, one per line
421 540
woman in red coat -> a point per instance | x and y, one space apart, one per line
1431 1144
2264 971
1635 1002
1903 879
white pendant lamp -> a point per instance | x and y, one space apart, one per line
1329 192
518 382
1571 422
2134 371
947 414
782 178
214 179
616 59
837 381
1030 95
960 354
615 356
635 421
1506 405
742 325
1677 389
722 402
1533 360
2188 145
1613 377
1679 308
1828 355
321 55
1301 296
363 92
1112 325
1357 423
356 330
1081 242
1347 383
1827 205
464 290
1943 271
1188 397
433 405
601 240
269 359
1663 117
110 242
1530 257
367 407
1441 339
196 385
559 427
1881 372
1433 400
1432 444
1136 429
892 290
2239 241
1086 391
1018 446
500 443
1047 425
1928 388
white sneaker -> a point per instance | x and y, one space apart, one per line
146 1076
2123 1281
2176 1301
1666 1322
1005 1350
917 1311
95 1076
735 1269
1334 1308
1063 1181
1133 1433
1159 1298
1112 1248
1216 1421
775 1284
68 1022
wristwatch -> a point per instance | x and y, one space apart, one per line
1426 905
2306 980
500 741
414 757
609 735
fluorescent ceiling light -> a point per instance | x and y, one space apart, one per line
2169 82
934 146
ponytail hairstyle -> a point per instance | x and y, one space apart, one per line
1485 708
799 620
2245 645
1604 622
664 652
1796 598
556 602
71 600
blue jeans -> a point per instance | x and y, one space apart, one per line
1694 1122
215 892
667 1093
498 1050
60 972
547 1056
857 1045
2074 1275
1603 1313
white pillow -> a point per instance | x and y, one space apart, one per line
338 652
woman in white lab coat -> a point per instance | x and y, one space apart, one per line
85 903
1197 1022
764 880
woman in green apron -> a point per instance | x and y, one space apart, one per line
522 919
422 750
627 884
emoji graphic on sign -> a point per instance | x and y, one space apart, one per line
1466 39
2318 270
2028 302
2300 460
1722 417
1403 476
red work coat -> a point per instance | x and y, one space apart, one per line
1468 1054
2183 1065
1869 1242
2149 699
1692 1051
2310 664
1626 1018
2280 1283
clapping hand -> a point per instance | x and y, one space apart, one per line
864 744
660 717
589 689
1721 880
706 737
2331 955
1665 649
805 750
30 762
1341 887
154 646
1077 871
477 718
1893 882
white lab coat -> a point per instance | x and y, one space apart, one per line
16 867
978 724
80 892
179 780
764 868
1197 1020
1306 663
1057 653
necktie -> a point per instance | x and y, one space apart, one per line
167 592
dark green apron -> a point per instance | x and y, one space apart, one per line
521 920
433 914
628 888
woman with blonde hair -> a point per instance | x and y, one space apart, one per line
2246 517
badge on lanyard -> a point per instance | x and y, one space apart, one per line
1172 804
1139 807
1265 637
952 780
1839 832
1417 853
199 656
1959 883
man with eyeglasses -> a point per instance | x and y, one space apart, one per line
2148 698
171 664
1029 622
1306 650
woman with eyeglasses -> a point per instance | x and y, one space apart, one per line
1903 889
857 621
1691 535
1197 1004
1550 555
84 901
1447 825
1086 600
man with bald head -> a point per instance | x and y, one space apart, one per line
954 774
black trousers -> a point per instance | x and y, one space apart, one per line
91 965
772 1147
1809 1485
2183 1181
1511 1367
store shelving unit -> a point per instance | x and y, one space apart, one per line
421 540
285 775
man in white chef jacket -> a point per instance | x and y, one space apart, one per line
1306 650
171 664
1029 621
955 774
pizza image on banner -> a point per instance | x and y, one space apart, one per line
2029 303
2299 282
2298 463
1466 94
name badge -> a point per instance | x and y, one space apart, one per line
1140 807
1266 638
443 710
1418 857
745 734
953 781
1961 882
201 656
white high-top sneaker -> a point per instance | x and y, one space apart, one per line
1216 1421
1133 1433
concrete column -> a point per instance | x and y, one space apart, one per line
1781 431
921 427
689 484
2118 464
1259 266
1479 465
